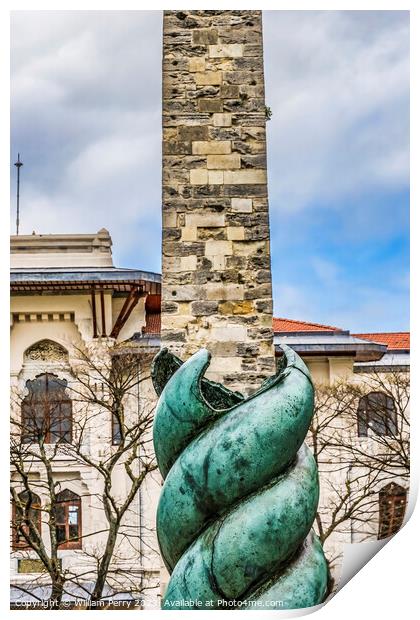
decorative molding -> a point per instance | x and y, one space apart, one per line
28 317
46 351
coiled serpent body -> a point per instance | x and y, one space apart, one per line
241 489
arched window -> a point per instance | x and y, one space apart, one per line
376 411
392 504
68 520
26 519
46 411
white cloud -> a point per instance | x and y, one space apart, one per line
86 117
337 83
345 304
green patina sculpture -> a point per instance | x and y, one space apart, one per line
241 489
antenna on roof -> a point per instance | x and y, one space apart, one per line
18 165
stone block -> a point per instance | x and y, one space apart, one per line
225 364
205 220
257 232
254 161
266 348
224 292
224 162
264 275
215 177
169 307
251 248
218 262
181 321
248 349
264 305
203 308
173 335
241 205
204 36
188 263
236 307
210 105
178 278
189 234
237 333
211 78
198 176
175 248
193 132
171 263
257 292
197 64
241 77
222 349
245 191
233 50
245 177
222 120
248 64
169 219
205 191
235 233
175 147
171 234
214 248
212 147
188 292
184 308
218 234
229 91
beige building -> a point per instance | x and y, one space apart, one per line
360 432
66 297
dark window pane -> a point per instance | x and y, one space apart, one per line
116 430
61 533
60 514
46 410
68 513
392 505
73 532
376 411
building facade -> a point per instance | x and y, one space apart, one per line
71 308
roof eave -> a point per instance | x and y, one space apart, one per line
360 352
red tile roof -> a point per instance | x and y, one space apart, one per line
289 325
394 340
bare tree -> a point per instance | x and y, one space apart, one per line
57 420
360 439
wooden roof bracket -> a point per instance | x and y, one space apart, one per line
129 305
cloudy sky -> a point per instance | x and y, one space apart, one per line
86 90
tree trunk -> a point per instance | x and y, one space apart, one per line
57 586
104 565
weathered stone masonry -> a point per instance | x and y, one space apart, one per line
216 256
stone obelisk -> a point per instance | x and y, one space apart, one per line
216 241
